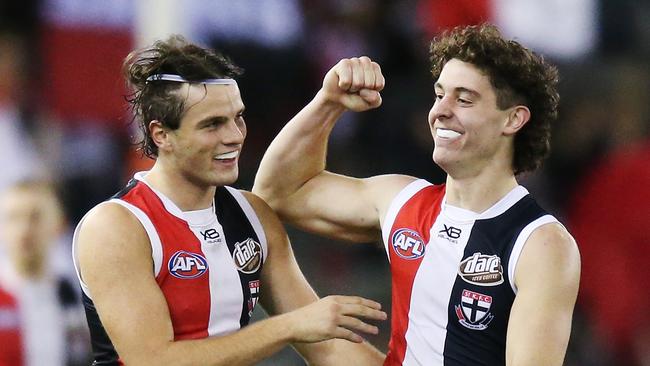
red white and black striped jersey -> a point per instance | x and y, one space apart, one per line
207 263
453 275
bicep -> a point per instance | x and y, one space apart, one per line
547 278
116 265
342 207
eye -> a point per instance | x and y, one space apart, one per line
439 96
464 101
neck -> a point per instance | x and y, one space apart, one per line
479 192
185 194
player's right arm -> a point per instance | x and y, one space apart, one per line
292 178
115 263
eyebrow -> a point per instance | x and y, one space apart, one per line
219 119
460 89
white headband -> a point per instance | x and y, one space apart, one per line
180 79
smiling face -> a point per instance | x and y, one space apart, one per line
205 148
469 130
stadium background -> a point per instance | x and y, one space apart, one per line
62 117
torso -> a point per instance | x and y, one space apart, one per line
207 263
452 275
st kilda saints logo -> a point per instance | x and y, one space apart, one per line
474 310
482 270
408 244
254 287
187 265
247 256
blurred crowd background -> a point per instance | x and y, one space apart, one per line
66 140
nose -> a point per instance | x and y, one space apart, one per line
235 133
440 110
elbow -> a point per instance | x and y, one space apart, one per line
271 196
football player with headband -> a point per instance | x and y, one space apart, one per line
172 266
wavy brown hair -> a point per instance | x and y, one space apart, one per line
159 100
519 77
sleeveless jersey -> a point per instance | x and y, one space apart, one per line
207 266
453 275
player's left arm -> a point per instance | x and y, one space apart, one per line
285 289
547 278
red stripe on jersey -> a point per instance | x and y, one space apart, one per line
10 337
188 299
417 215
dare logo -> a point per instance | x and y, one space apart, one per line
408 244
247 256
482 270
187 265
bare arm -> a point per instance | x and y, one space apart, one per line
115 262
285 290
292 176
547 277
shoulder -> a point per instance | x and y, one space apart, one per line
384 188
550 253
268 218
110 229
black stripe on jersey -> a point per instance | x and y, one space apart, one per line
129 186
104 352
493 236
237 229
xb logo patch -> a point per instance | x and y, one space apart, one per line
452 232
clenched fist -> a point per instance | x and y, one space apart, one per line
355 84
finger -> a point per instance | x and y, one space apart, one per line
358 75
344 72
380 81
353 324
372 97
347 334
356 300
363 312
368 73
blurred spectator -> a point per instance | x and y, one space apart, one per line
610 220
17 153
41 321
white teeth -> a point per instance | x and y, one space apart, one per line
447 134
228 155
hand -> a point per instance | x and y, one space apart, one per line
355 84
334 317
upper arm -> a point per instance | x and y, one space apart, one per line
285 289
116 264
547 277
341 207
280 274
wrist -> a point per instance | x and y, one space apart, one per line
284 326
329 102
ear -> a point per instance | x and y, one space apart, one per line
160 135
518 117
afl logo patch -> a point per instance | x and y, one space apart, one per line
482 270
187 265
408 244
247 256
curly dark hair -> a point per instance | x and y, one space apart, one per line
159 100
518 75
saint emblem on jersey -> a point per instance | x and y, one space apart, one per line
408 243
247 256
474 310
187 265
482 270
254 287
